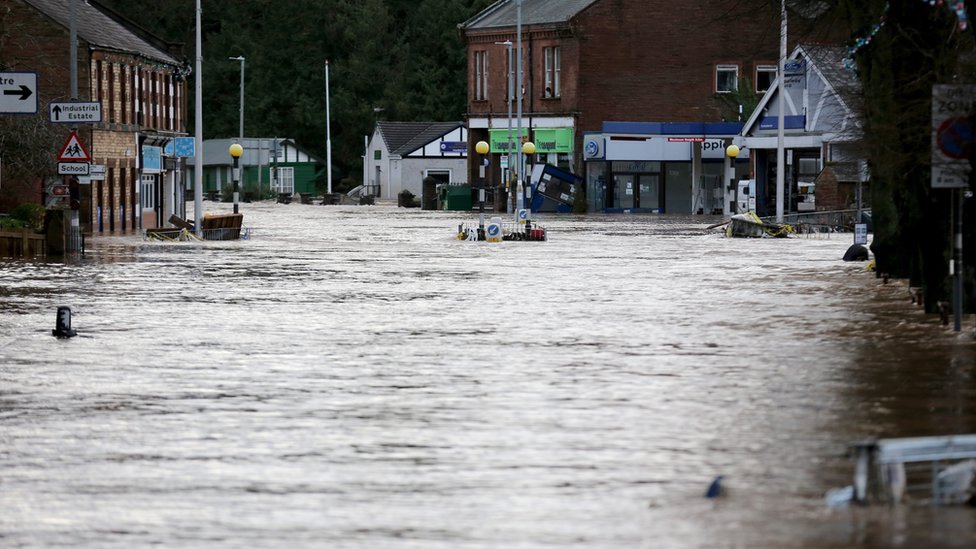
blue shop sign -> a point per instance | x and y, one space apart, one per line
152 159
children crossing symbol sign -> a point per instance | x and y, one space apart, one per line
73 150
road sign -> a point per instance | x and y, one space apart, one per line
185 146
152 159
97 171
73 168
952 135
18 92
73 151
76 112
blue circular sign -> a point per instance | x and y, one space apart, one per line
592 148
494 230
955 138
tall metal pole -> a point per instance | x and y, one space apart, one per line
74 227
512 155
240 131
780 137
198 133
518 91
959 197
328 133
73 52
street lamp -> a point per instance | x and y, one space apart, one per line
731 152
236 151
510 150
528 149
482 148
241 114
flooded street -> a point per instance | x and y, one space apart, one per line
355 377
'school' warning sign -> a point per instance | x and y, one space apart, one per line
73 150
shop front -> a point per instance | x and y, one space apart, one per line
661 168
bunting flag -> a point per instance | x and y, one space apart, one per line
957 6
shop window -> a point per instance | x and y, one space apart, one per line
765 75
726 78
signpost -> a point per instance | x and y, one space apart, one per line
75 112
952 142
18 92
952 135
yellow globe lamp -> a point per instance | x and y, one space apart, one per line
528 147
236 150
732 151
481 147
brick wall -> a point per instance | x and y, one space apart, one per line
138 96
638 60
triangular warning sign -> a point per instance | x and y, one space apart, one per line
73 150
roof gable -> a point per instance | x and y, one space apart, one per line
826 63
403 138
99 29
534 12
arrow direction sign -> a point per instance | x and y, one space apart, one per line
19 92
76 112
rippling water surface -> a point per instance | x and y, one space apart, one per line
354 377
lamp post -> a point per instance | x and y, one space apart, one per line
510 151
528 149
481 147
236 151
328 134
198 131
731 152
240 125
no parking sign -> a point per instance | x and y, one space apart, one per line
952 135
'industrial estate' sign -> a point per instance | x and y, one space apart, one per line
76 112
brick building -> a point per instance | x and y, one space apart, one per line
590 63
139 81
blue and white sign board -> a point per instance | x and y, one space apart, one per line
860 233
152 159
75 112
493 231
523 216
18 92
952 135
185 147
454 147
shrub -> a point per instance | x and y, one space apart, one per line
31 216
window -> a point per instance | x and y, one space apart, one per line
726 78
552 56
765 74
480 75
284 180
148 193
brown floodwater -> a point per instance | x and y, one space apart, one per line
356 377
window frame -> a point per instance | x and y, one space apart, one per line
725 68
481 75
764 68
551 88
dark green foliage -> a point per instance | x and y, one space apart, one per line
918 46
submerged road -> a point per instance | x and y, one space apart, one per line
355 377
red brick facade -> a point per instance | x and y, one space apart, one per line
140 96
631 60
